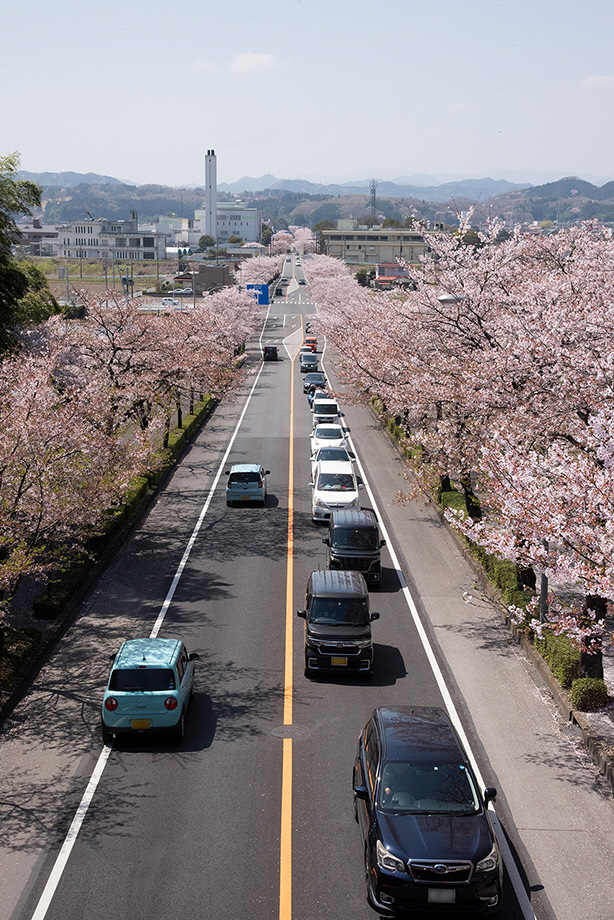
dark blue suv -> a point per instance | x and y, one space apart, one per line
428 840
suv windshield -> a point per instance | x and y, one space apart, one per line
326 611
429 787
139 680
355 538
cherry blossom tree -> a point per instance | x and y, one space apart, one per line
259 270
83 406
281 242
500 366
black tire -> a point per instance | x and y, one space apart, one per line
107 736
179 733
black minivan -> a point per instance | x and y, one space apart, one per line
428 840
354 543
337 624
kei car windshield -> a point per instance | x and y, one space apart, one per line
429 788
140 680
243 478
329 434
327 611
355 538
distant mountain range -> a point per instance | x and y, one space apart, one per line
69 179
69 196
422 187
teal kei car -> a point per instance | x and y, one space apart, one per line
246 483
150 685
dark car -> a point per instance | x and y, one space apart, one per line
308 362
428 839
312 380
354 543
337 624
269 353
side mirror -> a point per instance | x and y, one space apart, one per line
375 616
226 472
312 485
112 657
360 792
267 472
326 541
302 614
490 794
361 485
193 656
382 543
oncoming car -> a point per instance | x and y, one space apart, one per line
246 483
428 840
327 436
149 688
334 487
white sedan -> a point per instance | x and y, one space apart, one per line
326 435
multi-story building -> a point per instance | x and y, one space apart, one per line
354 244
233 219
116 240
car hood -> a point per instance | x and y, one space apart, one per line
441 837
338 633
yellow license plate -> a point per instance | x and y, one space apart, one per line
140 723
339 662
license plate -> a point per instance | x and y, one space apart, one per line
245 498
140 723
442 895
339 662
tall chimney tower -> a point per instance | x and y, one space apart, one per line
211 194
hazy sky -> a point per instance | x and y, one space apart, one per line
327 90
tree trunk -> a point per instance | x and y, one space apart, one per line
591 663
525 578
473 506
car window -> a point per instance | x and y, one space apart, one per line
332 612
435 788
371 757
140 680
329 433
181 665
355 538
244 477
336 482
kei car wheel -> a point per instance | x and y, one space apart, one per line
179 732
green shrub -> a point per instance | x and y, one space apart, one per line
454 500
561 656
588 693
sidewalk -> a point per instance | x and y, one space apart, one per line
558 811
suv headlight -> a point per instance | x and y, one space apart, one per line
491 861
386 860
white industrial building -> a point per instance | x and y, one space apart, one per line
117 240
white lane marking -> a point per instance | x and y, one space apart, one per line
57 871
510 865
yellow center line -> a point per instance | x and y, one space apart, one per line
285 853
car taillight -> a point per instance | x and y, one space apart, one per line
111 703
170 702
260 483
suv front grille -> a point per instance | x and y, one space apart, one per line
440 872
